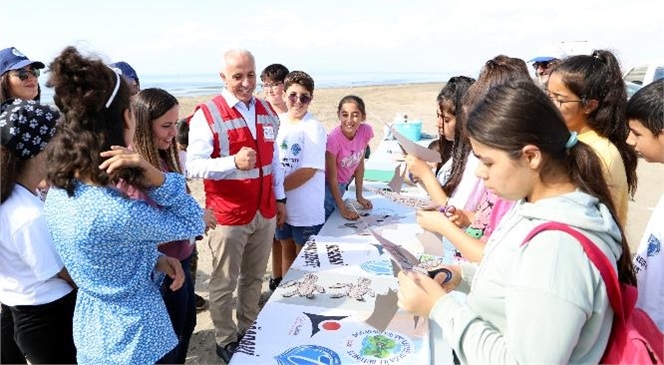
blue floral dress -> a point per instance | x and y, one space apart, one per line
108 243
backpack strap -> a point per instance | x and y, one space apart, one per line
596 256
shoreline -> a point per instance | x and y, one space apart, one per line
383 103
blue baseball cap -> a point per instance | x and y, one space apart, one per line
124 69
12 59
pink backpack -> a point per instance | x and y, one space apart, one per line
635 338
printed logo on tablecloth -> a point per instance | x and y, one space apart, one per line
308 354
376 347
378 267
310 253
247 345
318 323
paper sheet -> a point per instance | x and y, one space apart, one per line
415 149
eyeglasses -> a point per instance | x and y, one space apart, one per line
270 86
304 99
543 64
560 102
24 74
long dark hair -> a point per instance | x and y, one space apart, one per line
87 127
450 99
598 77
518 113
495 71
4 89
149 105
11 167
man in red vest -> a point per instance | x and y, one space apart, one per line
231 146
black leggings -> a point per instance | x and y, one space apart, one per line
40 333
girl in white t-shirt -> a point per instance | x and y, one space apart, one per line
37 294
344 158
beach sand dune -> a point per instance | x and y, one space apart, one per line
382 104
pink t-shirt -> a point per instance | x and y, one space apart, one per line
349 152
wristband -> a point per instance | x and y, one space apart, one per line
281 200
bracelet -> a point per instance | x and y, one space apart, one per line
281 200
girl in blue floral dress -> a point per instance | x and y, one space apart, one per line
107 241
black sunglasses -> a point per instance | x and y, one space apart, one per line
543 64
304 99
24 74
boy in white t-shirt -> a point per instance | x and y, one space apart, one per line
645 115
301 140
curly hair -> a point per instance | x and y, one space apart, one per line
83 86
149 105
598 77
300 78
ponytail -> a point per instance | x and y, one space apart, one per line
517 114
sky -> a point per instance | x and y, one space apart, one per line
171 37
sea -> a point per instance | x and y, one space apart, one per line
197 85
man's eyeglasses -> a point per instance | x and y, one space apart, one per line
270 86
544 65
304 99
24 74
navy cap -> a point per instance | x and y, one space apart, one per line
12 59
124 69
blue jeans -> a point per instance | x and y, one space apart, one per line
330 204
181 306
299 234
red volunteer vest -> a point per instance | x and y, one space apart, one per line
236 199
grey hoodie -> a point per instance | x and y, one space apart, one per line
543 303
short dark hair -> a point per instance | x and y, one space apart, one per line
182 129
300 78
647 107
274 72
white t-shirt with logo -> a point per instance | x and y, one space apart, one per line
28 261
302 144
649 267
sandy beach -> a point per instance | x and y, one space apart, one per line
382 104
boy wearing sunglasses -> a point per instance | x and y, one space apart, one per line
301 141
19 75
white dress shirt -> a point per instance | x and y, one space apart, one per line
201 165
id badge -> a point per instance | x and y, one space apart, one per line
268 133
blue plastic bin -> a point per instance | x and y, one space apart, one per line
411 129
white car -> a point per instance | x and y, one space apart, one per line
632 88
644 74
